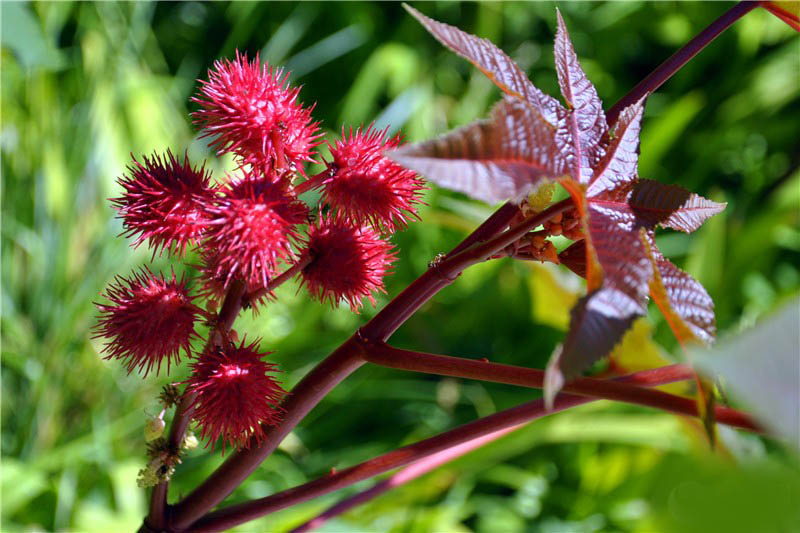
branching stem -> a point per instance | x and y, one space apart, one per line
443 365
329 373
481 244
677 60
492 424
427 464
311 182
279 280
157 517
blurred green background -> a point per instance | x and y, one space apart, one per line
84 85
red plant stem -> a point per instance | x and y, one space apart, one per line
344 361
489 228
789 18
332 371
305 395
425 465
335 368
485 250
444 365
381 327
276 282
677 60
311 182
157 516
407 474
231 305
277 143
244 512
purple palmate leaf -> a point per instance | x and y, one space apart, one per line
686 305
585 121
600 319
492 160
493 62
671 206
597 323
683 301
618 165
650 203
530 137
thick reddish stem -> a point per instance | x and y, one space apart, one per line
305 395
327 375
792 19
447 270
407 474
157 516
311 182
492 424
425 465
677 60
444 365
231 305
393 315
490 227
276 282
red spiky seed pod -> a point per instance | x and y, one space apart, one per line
251 228
252 112
235 394
150 320
364 187
346 263
163 202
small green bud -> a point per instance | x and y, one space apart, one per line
154 429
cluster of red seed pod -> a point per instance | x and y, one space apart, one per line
251 228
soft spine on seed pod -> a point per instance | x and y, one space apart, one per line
251 229
347 263
362 186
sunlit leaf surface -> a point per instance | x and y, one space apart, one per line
761 367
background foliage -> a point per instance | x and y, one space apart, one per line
85 84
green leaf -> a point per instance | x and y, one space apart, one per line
761 367
21 483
